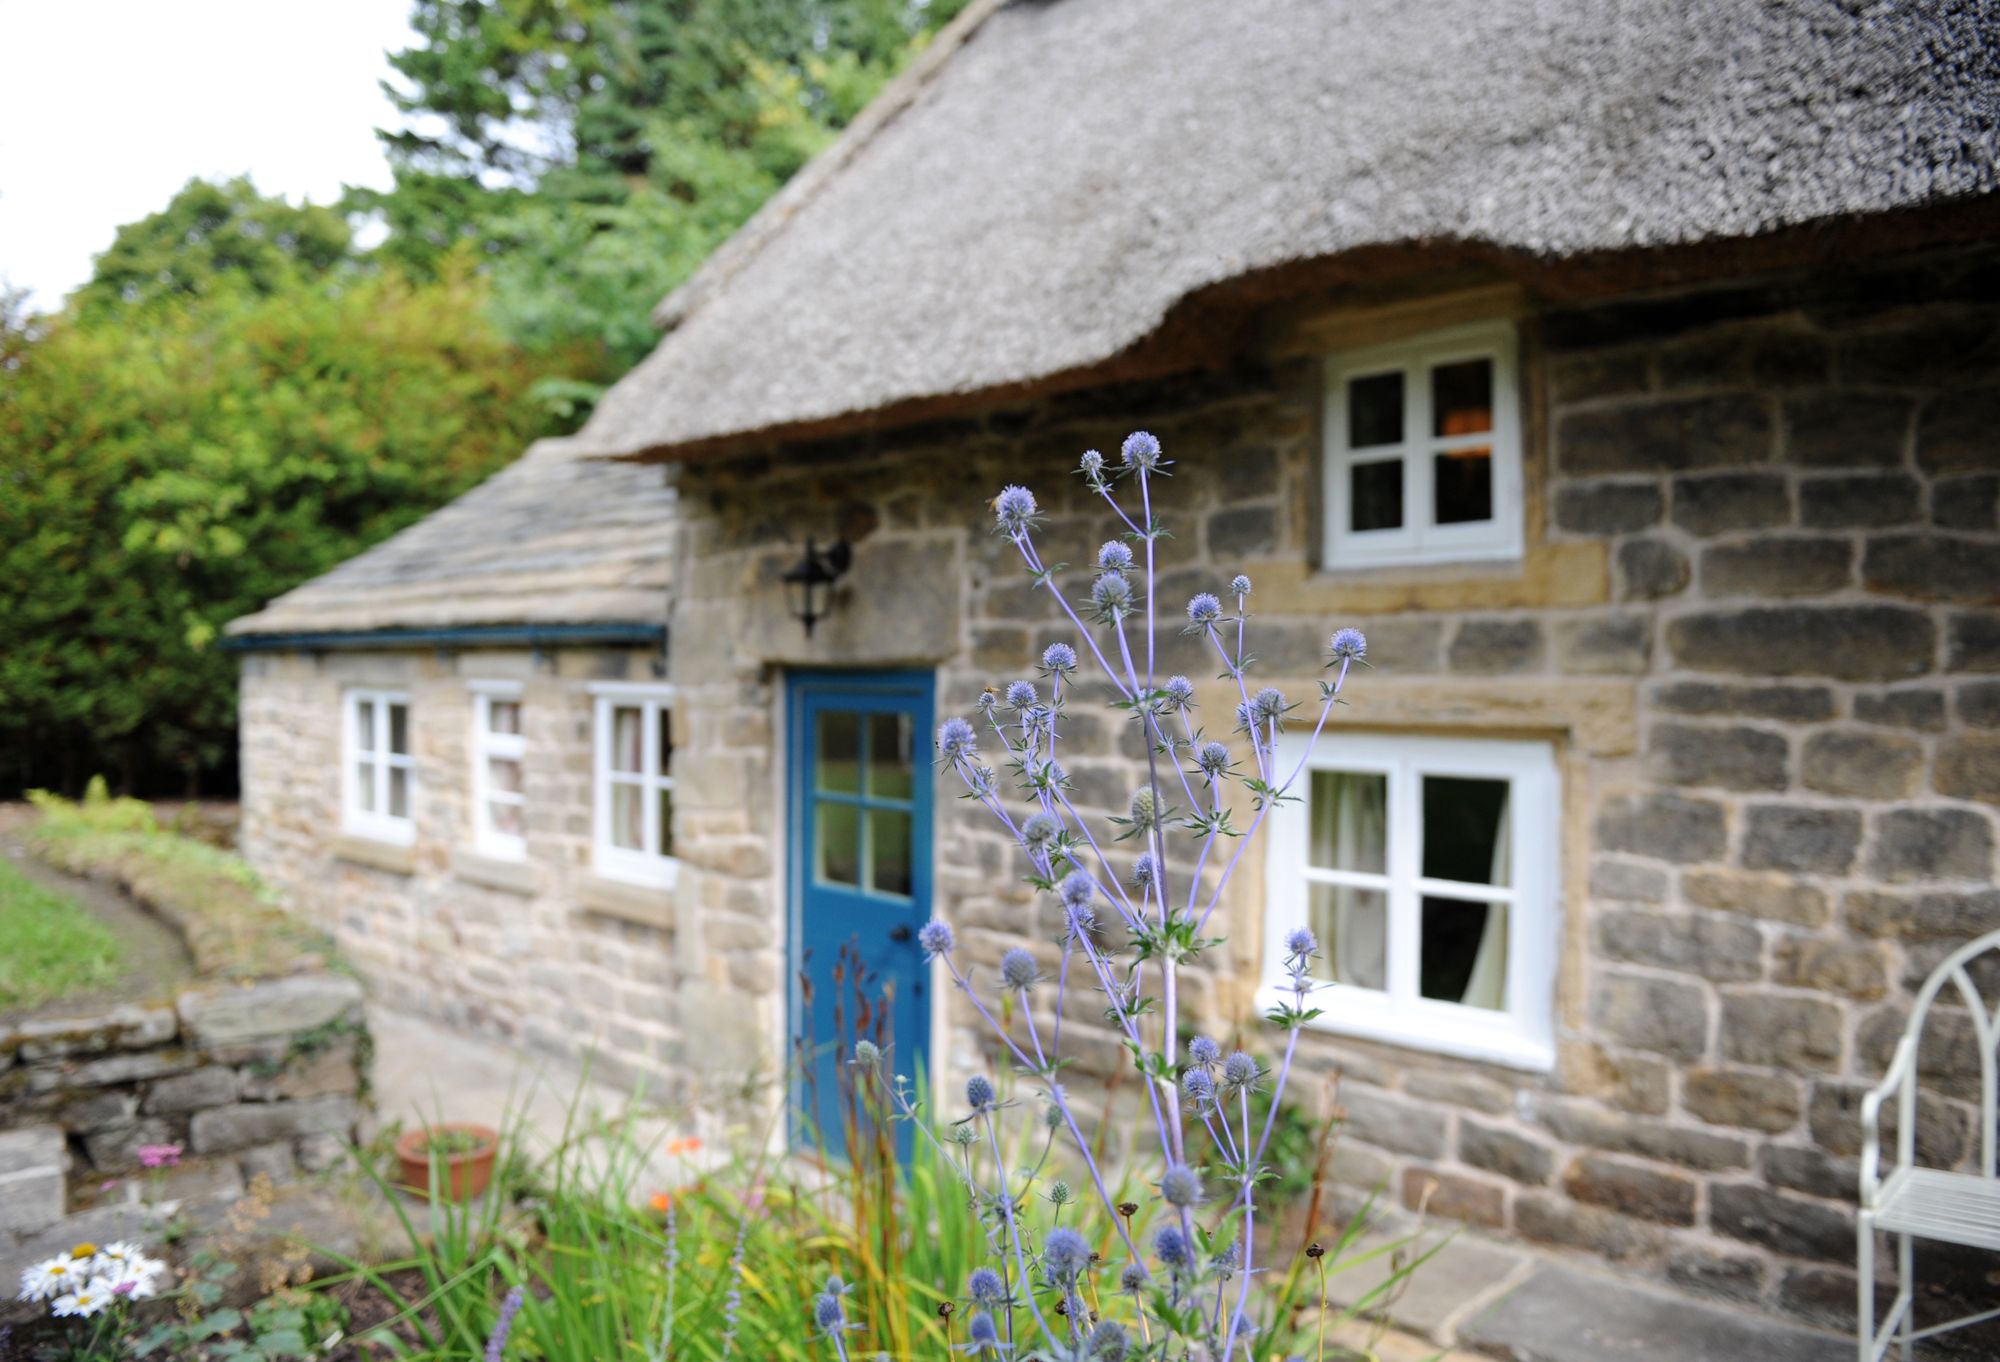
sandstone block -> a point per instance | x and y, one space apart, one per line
1833 1115
1934 567
1792 704
1637 1083
1578 378
1858 501
1665 435
1800 838
1390 1123
1852 968
224 1130
1942 916
1968 767
1741 1097
1493 647
1714 948
1918 709
1651 569
1512 1155
1955 433
1973 641
273 1161
1727 502
1812 1171
1458 1088
213 1086
1605 645
1658 1015
1770 897
1862 765
1455 1196
1632 1189
1543 1219
1732 1276
1777 567
1735 757
1846 430
273 1007
1583 1123
1979 704
1780 1031
1623 881
1969 503
1844 642
1931 844
1608 508
1664 827
125 1027
1782 1223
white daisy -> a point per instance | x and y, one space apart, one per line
112 1258
53 1278
84 1302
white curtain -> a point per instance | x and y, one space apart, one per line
1350 814
1488 985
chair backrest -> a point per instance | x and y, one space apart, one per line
1952 970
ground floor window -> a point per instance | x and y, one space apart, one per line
1427 868
376 765
634 804
499 798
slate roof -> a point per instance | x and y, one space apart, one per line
553 539
1041 188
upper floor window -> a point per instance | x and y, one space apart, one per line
1423 450
1427 869
498 750
375 799
634 804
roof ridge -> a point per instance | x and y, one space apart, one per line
742 246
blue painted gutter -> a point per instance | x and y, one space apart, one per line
464 636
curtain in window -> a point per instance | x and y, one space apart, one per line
1350 831
1488 985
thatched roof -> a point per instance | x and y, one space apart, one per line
553 539
1036 196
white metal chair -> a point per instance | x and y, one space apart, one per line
1926 1203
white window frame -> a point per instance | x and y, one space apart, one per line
1522 1036
377 824
486 744
1419 540
647 866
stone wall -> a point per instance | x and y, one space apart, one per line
540 950
1755 619
264 1076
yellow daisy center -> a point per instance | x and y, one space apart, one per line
84 1251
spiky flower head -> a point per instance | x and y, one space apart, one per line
985 1286
1133 1279
1115 555
1170 1246
1179 692
1203 609
1203 1051
936 938
1140 450
1065 1253
1039 830
981 1334
828 1312
988 701
1061 1193
979 1092
1018 969
1198 1088
503 1325
1059 658
1020 694
1239 586
1014 510
1145 871
1301 944
1145 808
963 1135
1052 1116
1213 758
1180 1185
1077 889
1111 595
1091 465
1348 645
867 1054
1240 1072
955 739
1108 1341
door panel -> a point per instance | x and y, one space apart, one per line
859 783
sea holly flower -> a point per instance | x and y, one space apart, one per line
1178 693
503 1324
1108 1341
1239 586
867 1055
1145 872
1240 1073
1199 1089
1111 596
936 938
979 1092
1014 511
955 739
1203 1051
1203 609
1039 831
985 1286
981 1334
1020 695
1170 1246
1065 1254
1018 970
1212 759
1140 451
1091 465
1348 645
1180 1187
1059 659
1144 808
1114 556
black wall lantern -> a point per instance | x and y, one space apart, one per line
809 582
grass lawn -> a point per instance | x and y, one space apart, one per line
53 946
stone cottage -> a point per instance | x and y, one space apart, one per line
1629 373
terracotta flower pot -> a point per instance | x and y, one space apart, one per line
464 1173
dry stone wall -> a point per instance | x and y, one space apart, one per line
1756 619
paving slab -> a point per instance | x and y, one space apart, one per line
1560 1314
1454 1273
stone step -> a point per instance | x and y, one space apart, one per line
32 1161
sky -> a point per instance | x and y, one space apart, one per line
113 105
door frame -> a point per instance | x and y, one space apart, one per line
794 773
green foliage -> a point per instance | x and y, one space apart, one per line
287 1327
171 467
54 947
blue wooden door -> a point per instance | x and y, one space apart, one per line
859 782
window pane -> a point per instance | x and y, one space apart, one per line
837 836
399 792
1349 814
1375 411
839 766
890 773
666 742
504 774
1464 947
503 716
628 738
666 822
399 728
364 725
506 818
1462 397
628 817
1375 494
890 832
364 786
1462 485
1466 832
1352 925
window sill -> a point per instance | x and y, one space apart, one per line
647 905
398 858
493 872
1567 572
1493 1038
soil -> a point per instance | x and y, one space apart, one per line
156 960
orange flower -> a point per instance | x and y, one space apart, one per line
687 1144
662 1202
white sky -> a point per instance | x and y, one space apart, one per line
113 105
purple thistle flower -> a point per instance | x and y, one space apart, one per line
1140 450
1059 658
1091 465
981 1335
979 1092
936 938
1145 808
1065 1253
1179 692
1108 1341
1014 510
1198 1088
827 1312
955 739
1020 694
1239 586
1145 871
1133 1279
503 1325
1018 969
1170 1246
1111 594
1268 704
1203 609
1040 830
1076 890
1203 1051
1212 758
1181 1187
1349 645
1240 1073
1301 944
1114 556
985 1286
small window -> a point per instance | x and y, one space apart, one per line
376 769
499 798
1427 869
1423 451
635 784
